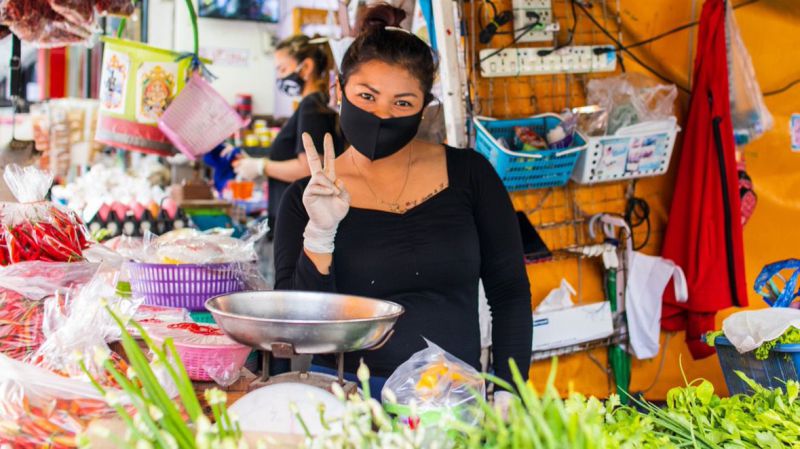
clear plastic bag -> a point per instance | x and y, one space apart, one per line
78 328
80 12
42 409
189 246
34 229
749 114
36 22
23 288
115 7
629 98
433 381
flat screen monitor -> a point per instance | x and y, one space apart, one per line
255 10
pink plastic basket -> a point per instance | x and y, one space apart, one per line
199 119
226 358
187 286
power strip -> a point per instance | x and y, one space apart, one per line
526 13
526 61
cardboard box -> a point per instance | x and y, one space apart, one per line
571 326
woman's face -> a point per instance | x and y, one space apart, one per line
285 64
385 90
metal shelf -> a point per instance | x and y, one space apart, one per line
620 337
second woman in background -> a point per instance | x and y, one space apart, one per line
302 67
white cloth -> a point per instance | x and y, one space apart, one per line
648 276
749 329
484 317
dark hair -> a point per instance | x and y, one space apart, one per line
376 43
300 47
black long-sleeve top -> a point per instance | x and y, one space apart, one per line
428 260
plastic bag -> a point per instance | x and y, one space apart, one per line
750 329
189 246
23 288
749 114
79 327
630 98
42 409
774 288
558 298
432 381
115 7
35 21
34 229
80 12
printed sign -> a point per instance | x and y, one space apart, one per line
226 57
156 86
114 81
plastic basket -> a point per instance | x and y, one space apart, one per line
526 171
252 362
782 364
187 286
199 119
196 357
637 151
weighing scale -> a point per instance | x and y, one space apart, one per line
289 324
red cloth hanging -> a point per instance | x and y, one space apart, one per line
704 233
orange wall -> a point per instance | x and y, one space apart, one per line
771 31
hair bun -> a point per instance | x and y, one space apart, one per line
380 16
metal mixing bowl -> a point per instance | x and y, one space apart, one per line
304 322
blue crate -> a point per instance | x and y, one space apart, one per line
531 170
783 364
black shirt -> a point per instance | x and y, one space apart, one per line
312 116
428 260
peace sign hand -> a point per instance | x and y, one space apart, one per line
325 198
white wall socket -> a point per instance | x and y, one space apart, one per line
528 61
522 9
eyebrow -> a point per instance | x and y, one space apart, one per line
376 91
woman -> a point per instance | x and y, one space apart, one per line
402 219
302 69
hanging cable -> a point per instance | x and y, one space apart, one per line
570 37
782 89
528 28
622 47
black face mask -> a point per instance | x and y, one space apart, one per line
376 137
292 84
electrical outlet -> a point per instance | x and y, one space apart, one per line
545 61
527 12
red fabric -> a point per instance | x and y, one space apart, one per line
700 238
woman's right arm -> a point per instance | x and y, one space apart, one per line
304 260
295 268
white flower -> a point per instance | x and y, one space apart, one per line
113 398
338 391
155 413
203 425
101 355
170 440
215 396
131 373
389 396
363 372
143 444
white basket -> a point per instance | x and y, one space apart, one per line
636 151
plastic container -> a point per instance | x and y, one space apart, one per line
199 119
783 364
200 351
187 286
531 170
636 151
241 190
252 363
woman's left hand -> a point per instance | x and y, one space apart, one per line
249 168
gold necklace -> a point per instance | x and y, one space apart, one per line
392 206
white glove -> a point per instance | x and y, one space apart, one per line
249 168
502 401
325 198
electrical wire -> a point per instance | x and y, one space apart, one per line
525 30
637 213
543 53
782 89
631 54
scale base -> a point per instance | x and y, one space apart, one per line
319 380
